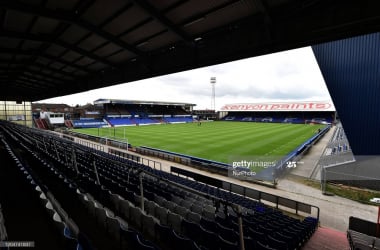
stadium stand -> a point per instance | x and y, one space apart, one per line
127 112
363 234
147 120
362 241
337 150
113 110
23 187
338 142
117 113
178 119
116 121
113 203
280 117
121 121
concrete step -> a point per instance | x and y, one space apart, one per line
327 239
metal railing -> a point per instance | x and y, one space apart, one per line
275 200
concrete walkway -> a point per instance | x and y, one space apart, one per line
334 211
308 166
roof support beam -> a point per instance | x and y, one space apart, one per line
47 39
202 15
267 20
31 79
68 18
43 55
27 86
33 72
162 19
54 70
264 10
42 66
39 78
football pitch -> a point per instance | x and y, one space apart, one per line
218 141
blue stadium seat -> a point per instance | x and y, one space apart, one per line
128 239
60 226
276 243
84 242
175 221
162 234
148 223
194 217
161 214
191 229
208 224
135 217
142 244
270 228
208 240
227 245
227 234
183 243
262 246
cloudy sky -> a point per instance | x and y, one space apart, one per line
287 76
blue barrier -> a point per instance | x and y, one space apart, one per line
299 150
201 163
188 156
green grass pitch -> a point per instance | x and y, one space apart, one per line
218 141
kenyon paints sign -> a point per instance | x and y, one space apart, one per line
296 106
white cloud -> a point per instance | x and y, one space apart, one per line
285 76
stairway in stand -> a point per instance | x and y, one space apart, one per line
328 239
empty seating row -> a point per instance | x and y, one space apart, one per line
114 181
65 229
360 241
178 224
116 227
103 216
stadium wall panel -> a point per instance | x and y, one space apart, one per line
351 69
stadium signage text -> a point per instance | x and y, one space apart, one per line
306 106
